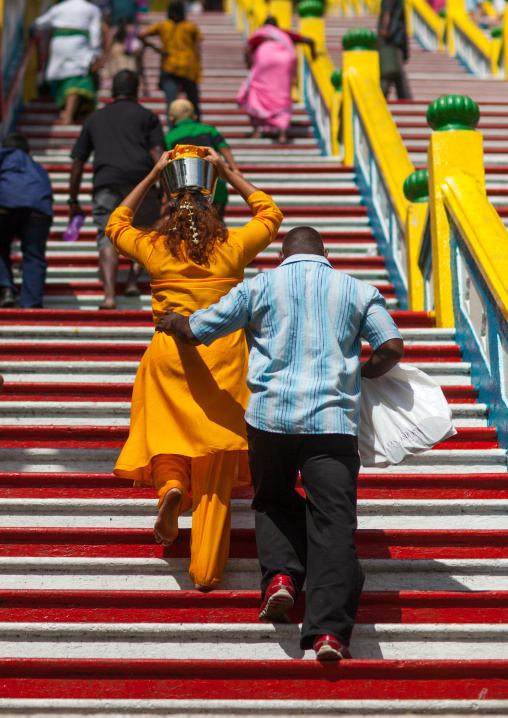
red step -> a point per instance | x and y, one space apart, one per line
140 543
223 679
114 436
90 351
138 317
52 391
370 486
242 606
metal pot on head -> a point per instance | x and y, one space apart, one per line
186 173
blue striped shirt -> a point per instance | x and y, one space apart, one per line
303 322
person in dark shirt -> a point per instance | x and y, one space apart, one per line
26 212
392 33
127 140
188 131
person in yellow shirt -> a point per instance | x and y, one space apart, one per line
187 432
180 65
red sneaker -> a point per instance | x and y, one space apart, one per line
279 598
329 648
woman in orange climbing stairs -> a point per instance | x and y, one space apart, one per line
187 431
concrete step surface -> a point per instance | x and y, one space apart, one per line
96 618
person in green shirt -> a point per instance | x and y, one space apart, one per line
188 131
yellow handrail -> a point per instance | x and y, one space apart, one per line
388 148
482 231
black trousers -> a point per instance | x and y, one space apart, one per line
310 538
32 229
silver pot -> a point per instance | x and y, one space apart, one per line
189 173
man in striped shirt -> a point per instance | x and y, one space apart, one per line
304 322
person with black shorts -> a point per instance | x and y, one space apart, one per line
127 140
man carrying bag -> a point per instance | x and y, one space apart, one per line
303 322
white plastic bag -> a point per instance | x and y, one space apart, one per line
403 412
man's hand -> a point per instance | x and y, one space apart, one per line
178 326
74 210
384 358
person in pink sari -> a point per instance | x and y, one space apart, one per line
266 94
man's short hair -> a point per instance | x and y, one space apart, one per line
125 84
176 11
302 238
181 110
16 140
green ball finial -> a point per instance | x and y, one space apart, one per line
310 8
453 112
416 187
442 13
497 32
361 38
336 79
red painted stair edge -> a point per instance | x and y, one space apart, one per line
403 537
217 599
222 669
12 479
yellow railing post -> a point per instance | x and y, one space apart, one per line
312 23
454 147
283 11
359 60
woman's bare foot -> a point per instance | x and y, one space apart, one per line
203 589
283 138
257 133
166 526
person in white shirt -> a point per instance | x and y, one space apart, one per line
75 48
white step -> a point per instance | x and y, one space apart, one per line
241 574
51 332
373 514
233 641
445 373
449 461
199 708
117 413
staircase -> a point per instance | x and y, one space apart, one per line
96 619
432 74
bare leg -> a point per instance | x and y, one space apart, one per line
166 525
108 265
257 133
283 137
131 288
71 107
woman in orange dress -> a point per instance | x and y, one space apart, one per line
187 432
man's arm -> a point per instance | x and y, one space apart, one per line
179 326
206 325
379 329
76 174
384 358
157 153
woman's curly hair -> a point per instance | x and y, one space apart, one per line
192 228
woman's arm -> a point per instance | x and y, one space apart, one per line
263 227
242 186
